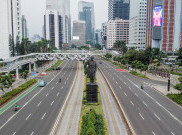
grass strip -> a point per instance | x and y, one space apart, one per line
97 107
176 98
6 97
138 74
55 65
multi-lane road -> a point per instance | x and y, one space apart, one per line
148 112
40 108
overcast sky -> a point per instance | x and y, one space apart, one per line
34 12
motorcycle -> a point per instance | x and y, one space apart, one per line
16 108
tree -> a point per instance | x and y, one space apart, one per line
98 46
120 45
108 55
11 46
149 55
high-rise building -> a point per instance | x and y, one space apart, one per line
137 30
98 36
24 27
10 24
119 9
62 7
117 30
164 24
104 35
86 13
79 33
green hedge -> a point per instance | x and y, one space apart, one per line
54 66
180 79
175 73
178 86
16 91
92 124
138 74
176 98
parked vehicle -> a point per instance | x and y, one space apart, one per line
42 83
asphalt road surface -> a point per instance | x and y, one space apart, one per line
148 112
39 109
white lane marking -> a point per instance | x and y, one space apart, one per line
120 87
131 103
157 116
32 133
141 116
14 133
136 94
52 103
125 94
47 94
58 94
145 103
67 78
153 133
129 88
26 103
43 116
52 88
28 116
57 83
175 118
172 133
116 82
39 103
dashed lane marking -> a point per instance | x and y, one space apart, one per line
32 133
43 116
28 116
141 116
14 133
39 103
52 103
157 116
131 103
145 103
58 94
125 94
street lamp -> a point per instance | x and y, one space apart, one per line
168 88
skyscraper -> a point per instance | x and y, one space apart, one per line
62 26
10 24
24 27
119 9
164 24
86 13
137 31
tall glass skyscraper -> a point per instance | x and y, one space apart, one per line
58 15
119 9
86 13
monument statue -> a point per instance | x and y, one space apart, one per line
92 68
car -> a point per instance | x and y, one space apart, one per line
42 83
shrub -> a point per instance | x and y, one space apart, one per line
91 131
180 79
90 125
178 86
92 116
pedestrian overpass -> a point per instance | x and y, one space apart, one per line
16 62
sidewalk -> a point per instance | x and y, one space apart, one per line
22 81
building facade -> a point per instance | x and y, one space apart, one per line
104 35
86 13
63 24
10 24
24 27
79 33
117 30
137 30
119 9
164 24
98 36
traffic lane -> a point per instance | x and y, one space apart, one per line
164 101
9 112
37 96
176 128
141 125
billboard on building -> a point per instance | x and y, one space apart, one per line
76 38
157 16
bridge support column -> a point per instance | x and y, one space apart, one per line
34 66
17 73
30 70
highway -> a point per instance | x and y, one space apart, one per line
148 112
40 108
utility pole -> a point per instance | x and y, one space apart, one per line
168 88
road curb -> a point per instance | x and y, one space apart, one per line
60 115
120 107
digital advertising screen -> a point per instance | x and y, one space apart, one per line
157 16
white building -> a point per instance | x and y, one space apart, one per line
10 24
62 7
117 30
137 31
104 34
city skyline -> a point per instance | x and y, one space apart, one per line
35 17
